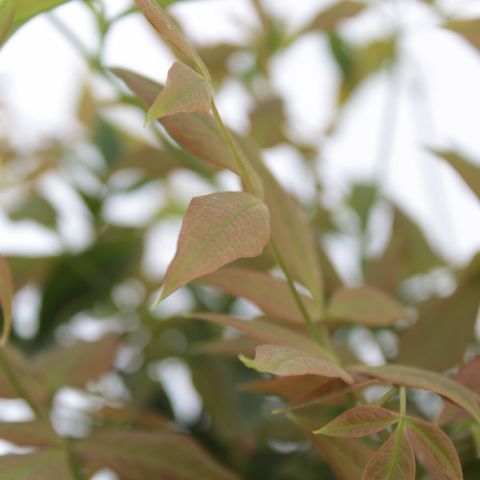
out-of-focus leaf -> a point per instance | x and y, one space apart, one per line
272 295
267 122
170 32
6 299
329 18
35 208
216 58
469 29
39 465
185 92
394 461
445 326
266 332
38 433
7 15
434 448
347 457
469 171
425 380
77 364
76 281
144 455
108 140
359 422
230 347
406 254
217 229
288 361
365 306
361 200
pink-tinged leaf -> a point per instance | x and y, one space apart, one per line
467 169
217 229
267 332
425 380
468 29
359 422
6 299
288 361
394 461
229 347
147 455
170 32
77 364
434 448
38 433
271 294
185 92
347 457
39 465
366 306
329 18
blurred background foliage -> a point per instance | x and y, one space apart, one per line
175 367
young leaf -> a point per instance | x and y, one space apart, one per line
469 171
272 295
38 433
288 361
169 31
359 422
329 18
366 306
146 455
6 298
394 461
217 229
468 29
185 92
267 332
434 447
425 380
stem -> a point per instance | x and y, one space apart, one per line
73 464
17 386
403 401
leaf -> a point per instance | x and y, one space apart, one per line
77 364
468 170
272 295
359 422
469 29
434 447
6 299
425 380
142 455
38 433
186 91
366 306
329 18
217 229
288 361
394 461
169 31
39 465
7 14
267 332
267 122
230 347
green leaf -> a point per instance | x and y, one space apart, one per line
39 465
329 18
433 447
267 122
469 29
359 422
144 455
170 32
6 299
38 433
288 361
467 169
185 92
217 229
394 461
425 380
366 306
271 294
7 15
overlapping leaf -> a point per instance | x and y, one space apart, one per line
217 229
37 433
6 298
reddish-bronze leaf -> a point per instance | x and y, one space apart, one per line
366 306
468 29
288 361
434 447
272 295
38 433
394 461
185 92
217 229
426 380
6 298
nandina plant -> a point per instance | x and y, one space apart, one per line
336 416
